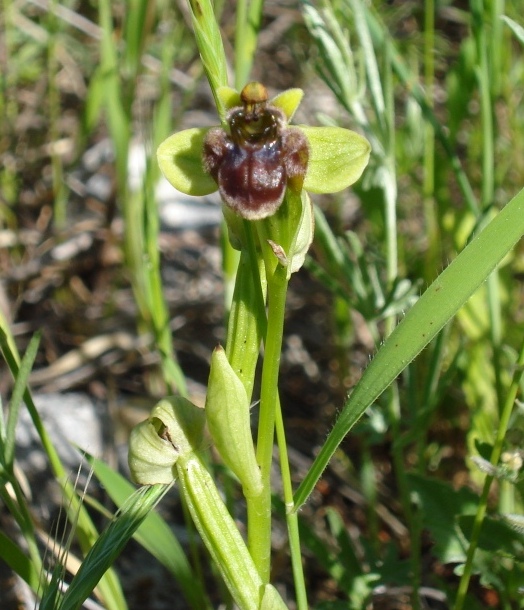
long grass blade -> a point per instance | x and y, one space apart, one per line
110 544
154 535
434 309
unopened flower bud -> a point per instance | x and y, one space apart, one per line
175 427
228 420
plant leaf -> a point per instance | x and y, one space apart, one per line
154 534
424 320
228 420
517 29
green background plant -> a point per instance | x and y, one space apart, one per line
435 88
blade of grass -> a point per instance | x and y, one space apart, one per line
426 318
516 28
154 535
110 544
85 530
16 401
19 562
381 36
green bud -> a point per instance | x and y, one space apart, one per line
175 427
228 420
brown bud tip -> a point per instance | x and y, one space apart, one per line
254 93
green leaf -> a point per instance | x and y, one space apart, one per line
154 534
110 544
337 158
440 508
16 559
517 29
180 159
496 536
424 320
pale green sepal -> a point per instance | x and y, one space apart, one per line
271 599
304 235
228 420
229 97
175 427
151 458
180 160
220 535
288 101
337 158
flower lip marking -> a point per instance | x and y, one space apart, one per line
260 157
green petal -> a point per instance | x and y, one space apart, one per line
180 160
288 101
229 97
337 158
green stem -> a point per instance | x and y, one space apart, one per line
259 521
237 348
59 192
495 457
291 515
496 46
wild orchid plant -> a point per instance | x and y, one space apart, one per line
263 169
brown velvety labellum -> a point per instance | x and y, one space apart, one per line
252 180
